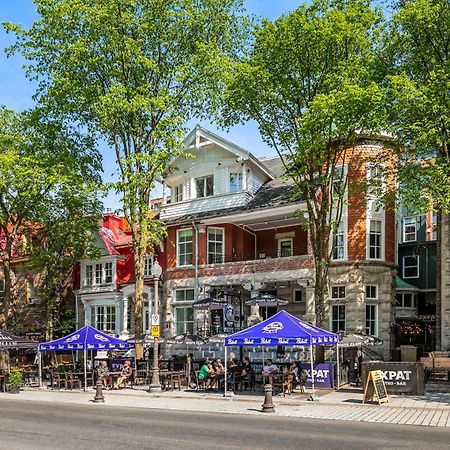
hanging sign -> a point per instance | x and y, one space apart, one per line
375 387
155 331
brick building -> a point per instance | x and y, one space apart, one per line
232 225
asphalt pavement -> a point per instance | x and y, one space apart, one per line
27 425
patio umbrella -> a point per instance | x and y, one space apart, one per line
9 340
208 304
185 339
354 339
266 300
217 339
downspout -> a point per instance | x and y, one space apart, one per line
196 262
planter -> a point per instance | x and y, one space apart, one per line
14 389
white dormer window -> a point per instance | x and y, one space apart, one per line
235 181
108 273
99 274
205 186
89 275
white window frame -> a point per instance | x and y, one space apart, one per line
372 286
177 193
410 267
372 172
108 272
98 274
178 247
186 323
407 234
381 235
148 263
414 301
340 233
89 275
205 184
96 313
238 186
434 225
184 301
279 247
373 320
208 241
338 306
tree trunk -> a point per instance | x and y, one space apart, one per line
6 263
139 262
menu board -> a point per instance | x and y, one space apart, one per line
375 387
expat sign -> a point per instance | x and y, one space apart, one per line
323 375
375 387
398 377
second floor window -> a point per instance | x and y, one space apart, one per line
177 193
184 247
235 181
338 292
375 239
406 300
215 245
204 186
148 266
371 292
409 229
411 267
285 247
98 274
338 244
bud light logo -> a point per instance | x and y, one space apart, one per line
273 327
72 338
99 337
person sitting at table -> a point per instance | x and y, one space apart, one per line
248 373
206 373
234 373
219 371
269 369
103 374
127 371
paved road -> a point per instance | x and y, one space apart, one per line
37 425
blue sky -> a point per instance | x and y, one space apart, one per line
16 91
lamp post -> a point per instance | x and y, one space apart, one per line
155 385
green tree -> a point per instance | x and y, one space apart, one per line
46 169
417 53
133 71
307 81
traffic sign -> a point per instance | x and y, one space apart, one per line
155 319
155 331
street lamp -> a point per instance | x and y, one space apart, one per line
155 385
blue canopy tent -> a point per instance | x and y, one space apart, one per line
86 338
282 329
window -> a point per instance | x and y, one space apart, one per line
205 186
298 296
409 229
148 266
375 239
406 300
184 247
375 180
371 292
339 181
371 320
104 318
98 274
338 292
108 273
177 193
338 243
235 181
89 275
337 318
184 319
215 245
285 247
184 295
411 266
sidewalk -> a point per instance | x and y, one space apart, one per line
432 410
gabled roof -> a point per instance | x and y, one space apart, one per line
108 240
200 136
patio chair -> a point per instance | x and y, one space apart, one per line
200 383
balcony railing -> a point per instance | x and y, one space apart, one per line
250 256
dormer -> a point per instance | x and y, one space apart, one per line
217 175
